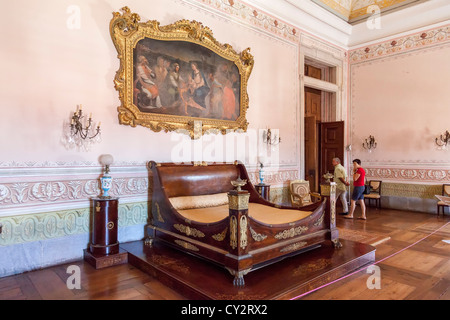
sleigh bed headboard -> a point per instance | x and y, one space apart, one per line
193 180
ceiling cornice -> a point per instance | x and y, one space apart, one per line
403 21
314 19
307 16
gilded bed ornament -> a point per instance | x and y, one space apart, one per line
319 221
333 212
243 229
292 232
200 164
189 231
294 246
238 202
333 203
238 183
158 213
220 236
257 236
186 245
233 232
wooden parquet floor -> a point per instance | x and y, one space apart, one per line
413 265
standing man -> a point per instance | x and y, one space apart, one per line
340 177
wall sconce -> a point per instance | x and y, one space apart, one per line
269 139
443 140
370 144
83 135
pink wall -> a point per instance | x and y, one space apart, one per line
400 95
50 65
57 55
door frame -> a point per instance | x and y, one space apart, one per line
319 54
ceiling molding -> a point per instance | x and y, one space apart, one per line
421 16
313 18
309 17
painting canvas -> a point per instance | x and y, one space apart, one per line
174 77
184 78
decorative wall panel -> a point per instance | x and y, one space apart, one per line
48 225
39 188
400 45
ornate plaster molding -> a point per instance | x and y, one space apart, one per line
47 192
254 17
43 188
423 175
399 45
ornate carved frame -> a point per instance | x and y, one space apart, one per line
126 31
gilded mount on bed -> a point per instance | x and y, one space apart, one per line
136 42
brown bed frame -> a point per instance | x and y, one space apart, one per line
239 242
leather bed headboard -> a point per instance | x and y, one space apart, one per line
189 180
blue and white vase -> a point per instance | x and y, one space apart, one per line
106 181
261 175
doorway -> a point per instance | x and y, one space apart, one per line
324 140
323 110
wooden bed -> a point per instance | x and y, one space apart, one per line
196 209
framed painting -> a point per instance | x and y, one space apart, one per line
178 77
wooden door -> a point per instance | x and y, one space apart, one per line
313 100
312 153
313 72
331 145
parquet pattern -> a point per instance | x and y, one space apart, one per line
421 272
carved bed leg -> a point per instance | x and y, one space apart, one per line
148 241
336 243
238 280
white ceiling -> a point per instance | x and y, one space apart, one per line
314 18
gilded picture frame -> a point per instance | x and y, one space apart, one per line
178 77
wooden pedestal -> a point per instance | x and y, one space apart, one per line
103 249
263 190
197 279
103 261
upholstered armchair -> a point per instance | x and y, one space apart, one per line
442 204
301 194
375 193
